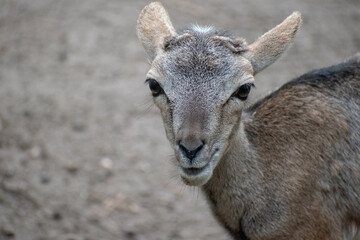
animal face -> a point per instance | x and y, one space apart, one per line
200 87
200 79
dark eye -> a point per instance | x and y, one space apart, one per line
155 87
243 91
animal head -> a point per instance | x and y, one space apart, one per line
200 79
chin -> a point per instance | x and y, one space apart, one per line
196 177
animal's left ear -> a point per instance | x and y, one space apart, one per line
269 47
153 26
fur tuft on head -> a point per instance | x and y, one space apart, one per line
202 29
238 45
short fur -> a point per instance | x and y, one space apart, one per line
295 174
287 167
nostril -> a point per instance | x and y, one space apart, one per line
199 148
183 149
190 154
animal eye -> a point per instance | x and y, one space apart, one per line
155 87
243 91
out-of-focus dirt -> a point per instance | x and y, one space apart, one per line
83 153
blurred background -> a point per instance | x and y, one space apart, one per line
83 153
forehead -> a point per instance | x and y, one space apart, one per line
200 56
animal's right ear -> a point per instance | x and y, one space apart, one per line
153 26
272 44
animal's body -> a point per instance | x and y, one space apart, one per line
287 167
294 171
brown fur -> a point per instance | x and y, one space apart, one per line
299 174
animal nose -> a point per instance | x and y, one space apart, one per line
190 152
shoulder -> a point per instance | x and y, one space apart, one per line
333 80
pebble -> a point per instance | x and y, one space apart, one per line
35 152
71 168
7 232
44 179
57 216
106 163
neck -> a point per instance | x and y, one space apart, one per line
235 181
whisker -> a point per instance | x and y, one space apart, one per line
145 108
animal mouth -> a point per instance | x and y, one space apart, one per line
196 176
194 171
199 175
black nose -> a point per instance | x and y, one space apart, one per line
192 153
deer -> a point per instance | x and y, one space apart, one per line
286 167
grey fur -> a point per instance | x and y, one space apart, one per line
287 167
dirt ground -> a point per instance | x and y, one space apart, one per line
83 153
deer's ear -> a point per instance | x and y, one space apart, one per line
269 47
153 26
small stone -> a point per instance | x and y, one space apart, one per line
45 179
24 145
79 127
9 172
27 112
57 216
7 232
130 234
71 168
106 163
35 152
